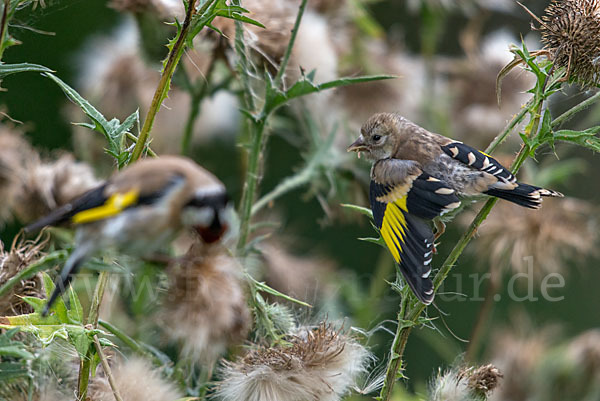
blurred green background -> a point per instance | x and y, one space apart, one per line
39 104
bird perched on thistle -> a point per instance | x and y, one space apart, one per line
418 175
140 209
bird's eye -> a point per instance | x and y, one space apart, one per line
376 138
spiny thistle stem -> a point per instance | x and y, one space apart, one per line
575 109
257 131
92 319
4 25
107 370
165 80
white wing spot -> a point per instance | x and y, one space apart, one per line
486 163
454 151
471 157
433 179
444 191
426 275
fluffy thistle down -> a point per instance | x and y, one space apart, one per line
21 254
465 384
562 230
16 155
117 80
136 380
315 364
205 308
571 34
32 187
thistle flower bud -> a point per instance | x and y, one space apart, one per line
318 363
571 33
206 306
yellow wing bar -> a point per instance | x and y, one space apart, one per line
393 227
113 206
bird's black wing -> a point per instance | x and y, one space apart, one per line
480 161
401 197
93 198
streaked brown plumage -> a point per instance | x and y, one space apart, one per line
418 175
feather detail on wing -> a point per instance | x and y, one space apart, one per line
114 205
93 198
401 197
482 162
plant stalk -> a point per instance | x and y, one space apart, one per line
165 80
4 26
92 319
107 370
257 129
288 51
575 109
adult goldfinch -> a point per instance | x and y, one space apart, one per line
418 175
140 209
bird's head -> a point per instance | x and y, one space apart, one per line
378 136
206 213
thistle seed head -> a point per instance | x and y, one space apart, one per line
571 33
317 363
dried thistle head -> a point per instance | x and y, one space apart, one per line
571 34
47 185
21 254
136 380
465 383
316 363
206 307
16 156
561 230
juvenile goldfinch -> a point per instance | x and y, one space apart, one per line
138 210
418 175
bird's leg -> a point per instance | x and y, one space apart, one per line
440 228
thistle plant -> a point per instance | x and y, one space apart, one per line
198 322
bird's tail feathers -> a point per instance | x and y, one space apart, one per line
524 195
421 287
66 275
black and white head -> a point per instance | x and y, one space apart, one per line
206 212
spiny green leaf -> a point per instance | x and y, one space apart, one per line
59 306
378 241
586 138
16 351
360 209
99 120
265 288
79 339
304 87
75 314
8 69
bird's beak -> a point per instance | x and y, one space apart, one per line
358 145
